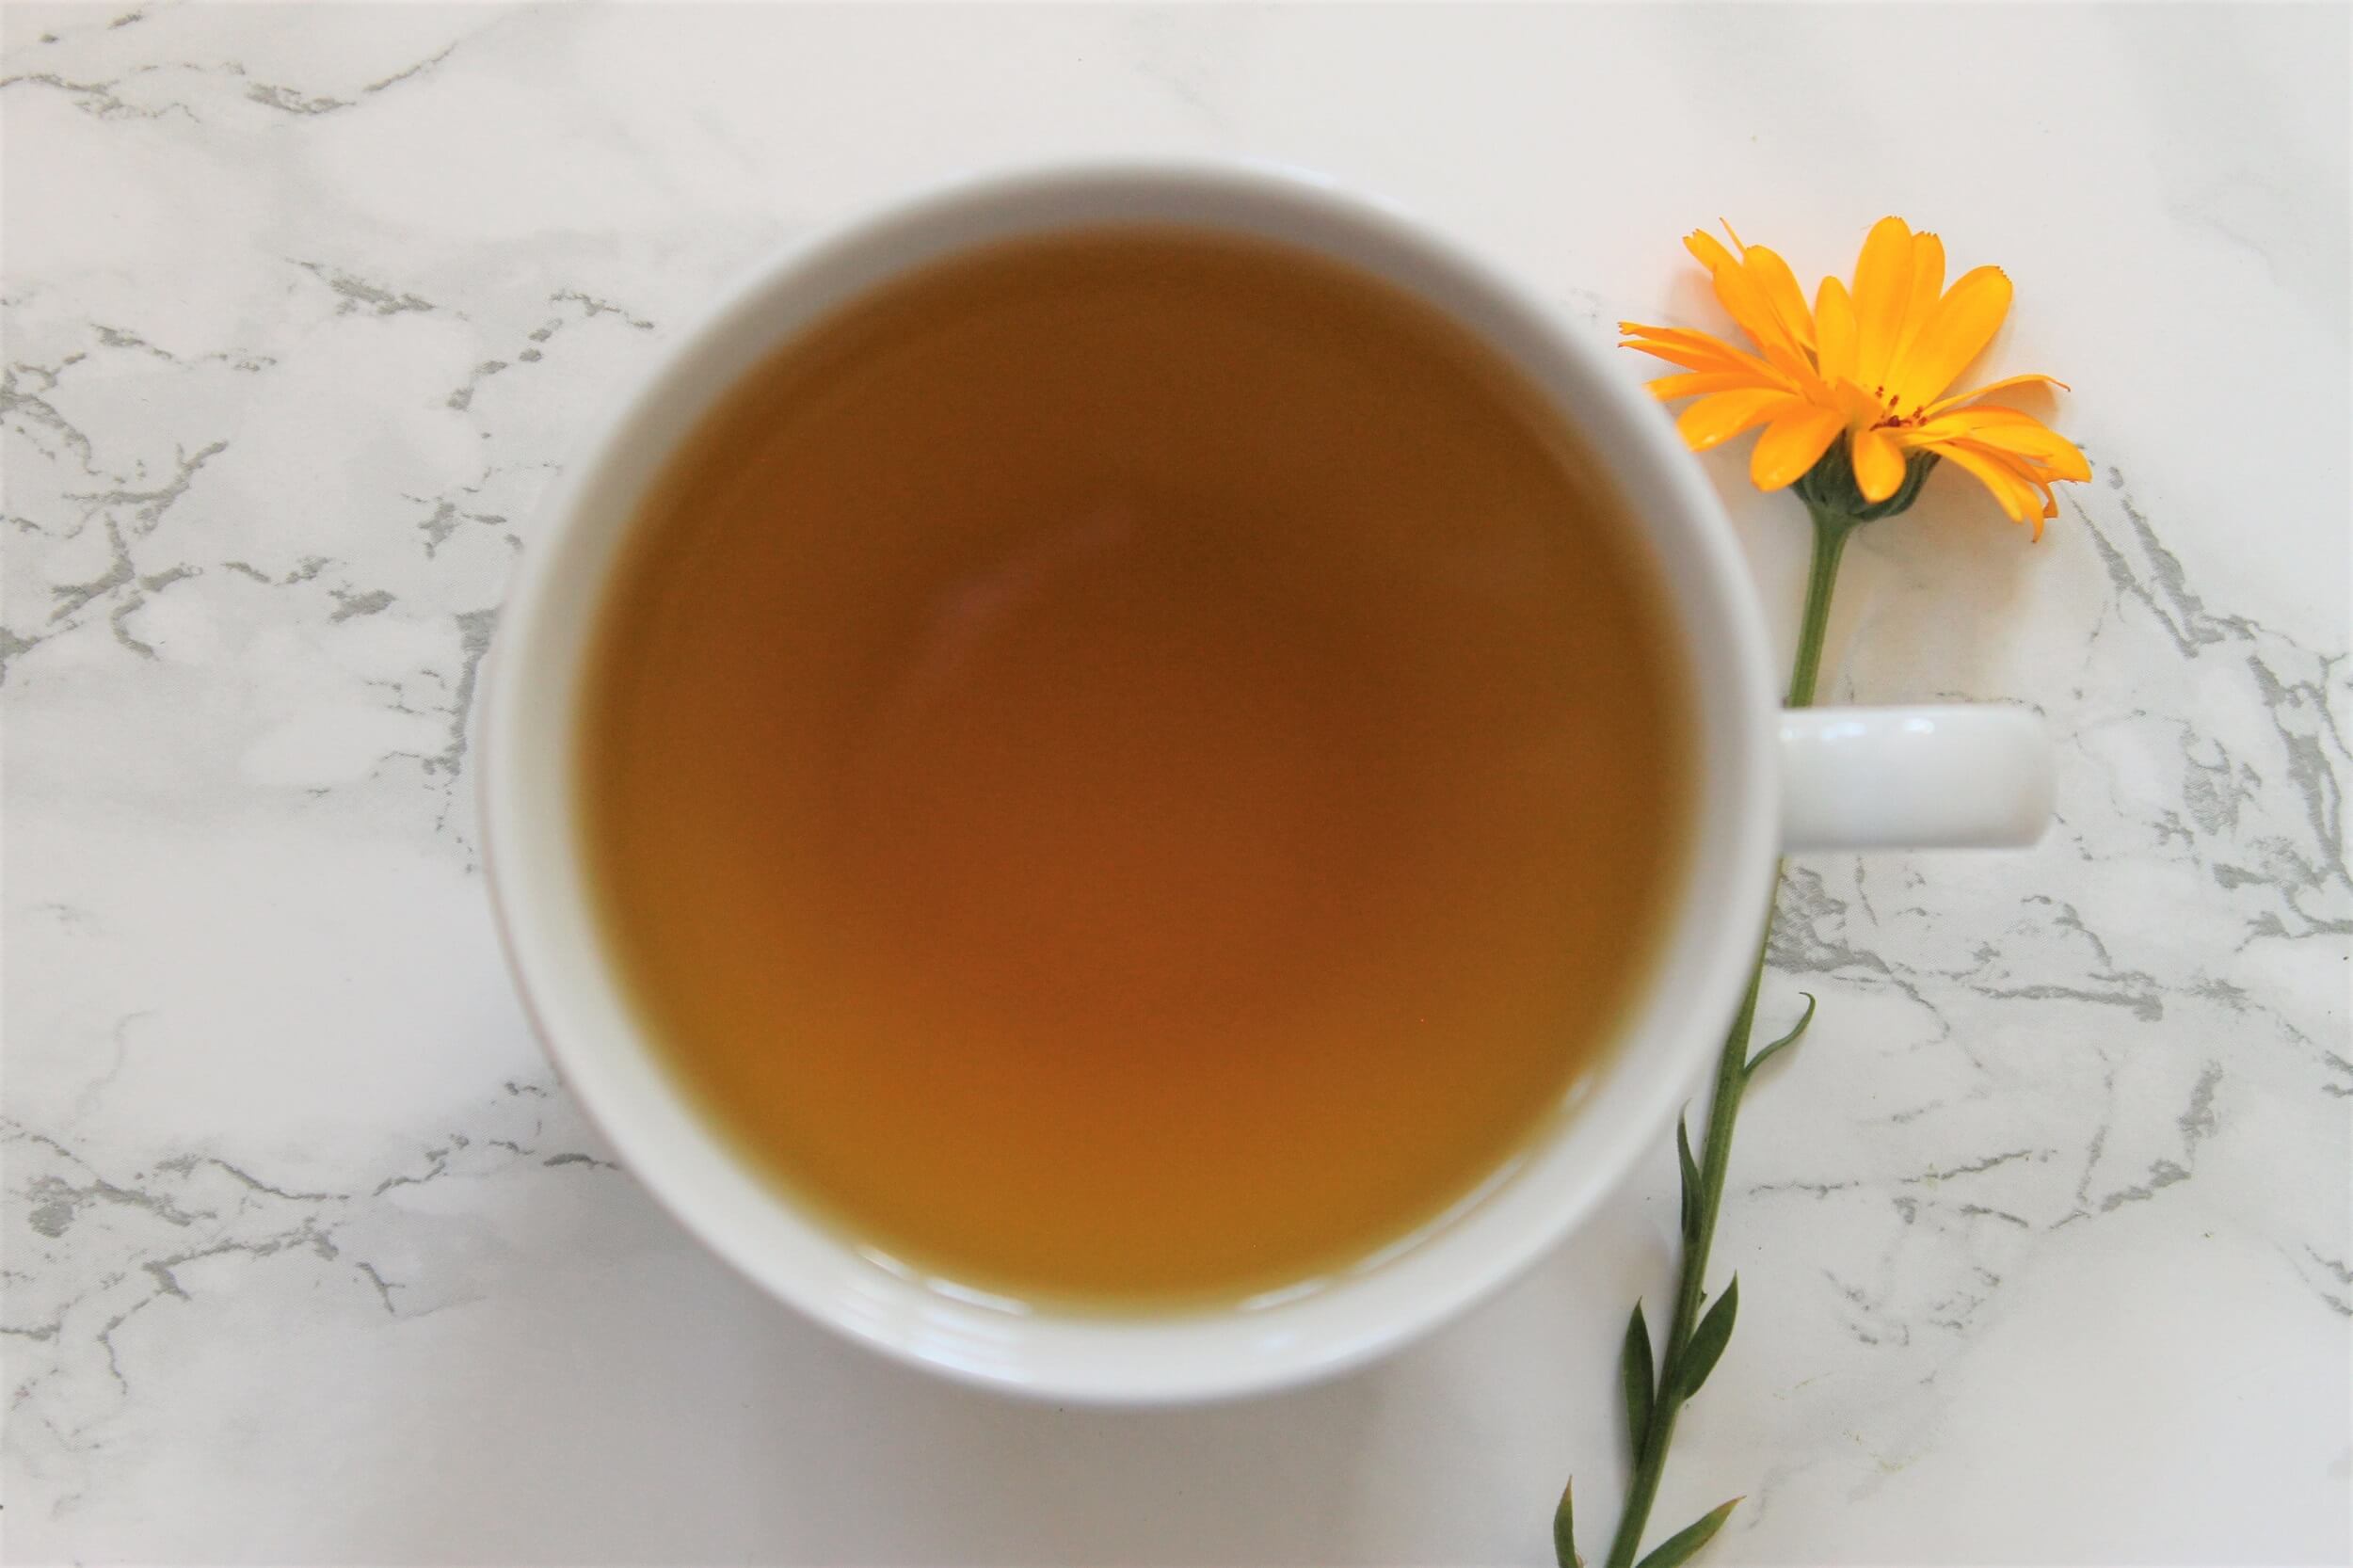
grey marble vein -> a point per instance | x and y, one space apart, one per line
309 1258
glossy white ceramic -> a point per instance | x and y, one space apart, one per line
1862 781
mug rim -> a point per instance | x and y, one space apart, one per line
547 930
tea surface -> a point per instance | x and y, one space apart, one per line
1132 767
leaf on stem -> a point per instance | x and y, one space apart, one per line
1634 1371
1785 1042
1708 1340
1679 1548
1690 1171
1564 1531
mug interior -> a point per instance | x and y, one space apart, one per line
554 943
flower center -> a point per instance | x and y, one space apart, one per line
1895 417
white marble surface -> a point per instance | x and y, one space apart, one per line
2042 1237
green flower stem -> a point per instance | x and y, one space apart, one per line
1651 1462
1830 543
1732 1071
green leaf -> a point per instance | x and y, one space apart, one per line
1679 1548
1634 1371
1564 1531
1707 1340
1789 1039
1690 1183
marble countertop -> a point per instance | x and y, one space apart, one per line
2042 1237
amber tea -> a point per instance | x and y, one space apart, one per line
1132 767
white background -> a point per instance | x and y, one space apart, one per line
2042 1235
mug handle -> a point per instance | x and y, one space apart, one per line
1951 777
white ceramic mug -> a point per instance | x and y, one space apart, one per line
1767 781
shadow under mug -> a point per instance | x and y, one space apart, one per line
1767 781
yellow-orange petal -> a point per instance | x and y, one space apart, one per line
1862 409
1833 330
2029 471
1696 350
1688 339
1990 388
1689 358
1719 416
1927 286
1737 293
1882 296
2051 456
1693 383
2075 469
2037 502
1798 371
1964 322
1793 442
2017 495
1878 464
1707 250
1778 286
2011 431
1960 424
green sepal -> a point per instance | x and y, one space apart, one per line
1828 486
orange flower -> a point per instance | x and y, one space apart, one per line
1874 364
